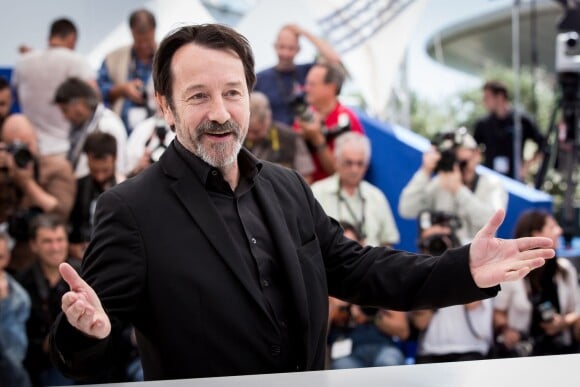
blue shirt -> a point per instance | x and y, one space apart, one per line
14 311
279 87
137 70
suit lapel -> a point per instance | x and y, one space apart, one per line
198 204
286 249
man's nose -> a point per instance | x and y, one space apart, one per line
218 111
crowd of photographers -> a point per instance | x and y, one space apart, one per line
81 133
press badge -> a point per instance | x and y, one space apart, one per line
341 348
501 164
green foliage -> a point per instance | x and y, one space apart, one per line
465 108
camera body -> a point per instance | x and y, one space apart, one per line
568 52
298 104
447 144
438 243
20 153
160 132
546 311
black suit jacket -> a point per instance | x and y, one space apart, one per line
161 259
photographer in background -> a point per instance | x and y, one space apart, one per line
535 315
29 185
455 333
5 100
285 80
147 142
496 130
346 196
80 106
125 72
362 336
325 118
274 141
101 151
456 188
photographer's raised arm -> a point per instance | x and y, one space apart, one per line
55 189
323 47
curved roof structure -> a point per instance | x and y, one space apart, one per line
463 45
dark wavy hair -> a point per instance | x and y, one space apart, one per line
214 36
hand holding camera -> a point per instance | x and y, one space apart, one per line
135 91
16 160
430 160
312 130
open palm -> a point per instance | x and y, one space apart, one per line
493 260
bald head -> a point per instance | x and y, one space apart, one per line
18 128
287 47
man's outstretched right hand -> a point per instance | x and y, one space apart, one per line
82 306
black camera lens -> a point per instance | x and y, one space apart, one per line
20 153
22 157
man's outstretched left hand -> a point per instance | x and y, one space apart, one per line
493 260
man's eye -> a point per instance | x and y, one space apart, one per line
233 93
197 97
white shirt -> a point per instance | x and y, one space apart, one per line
513 299
449 332
473 208
368 204
143 137
108 122
36 77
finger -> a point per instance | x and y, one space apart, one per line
531 263
75 313
85 320
493 224
516 275
68 299
533 243
535 254
72 278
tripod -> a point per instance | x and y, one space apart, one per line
562 149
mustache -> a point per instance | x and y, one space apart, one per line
212 127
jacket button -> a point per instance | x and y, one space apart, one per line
275 350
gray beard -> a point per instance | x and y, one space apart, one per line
219 156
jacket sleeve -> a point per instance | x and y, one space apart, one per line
392 279
114 266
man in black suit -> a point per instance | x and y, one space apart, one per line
224 263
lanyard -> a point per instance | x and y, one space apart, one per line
360 223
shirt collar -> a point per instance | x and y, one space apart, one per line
248 164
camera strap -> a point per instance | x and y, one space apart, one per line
470 324
92 126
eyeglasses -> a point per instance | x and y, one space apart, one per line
352 163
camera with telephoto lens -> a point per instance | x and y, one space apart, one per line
298 104
438 243
160 131
20 153
446 144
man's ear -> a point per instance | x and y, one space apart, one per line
165 109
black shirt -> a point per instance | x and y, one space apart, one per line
497 134
242 215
